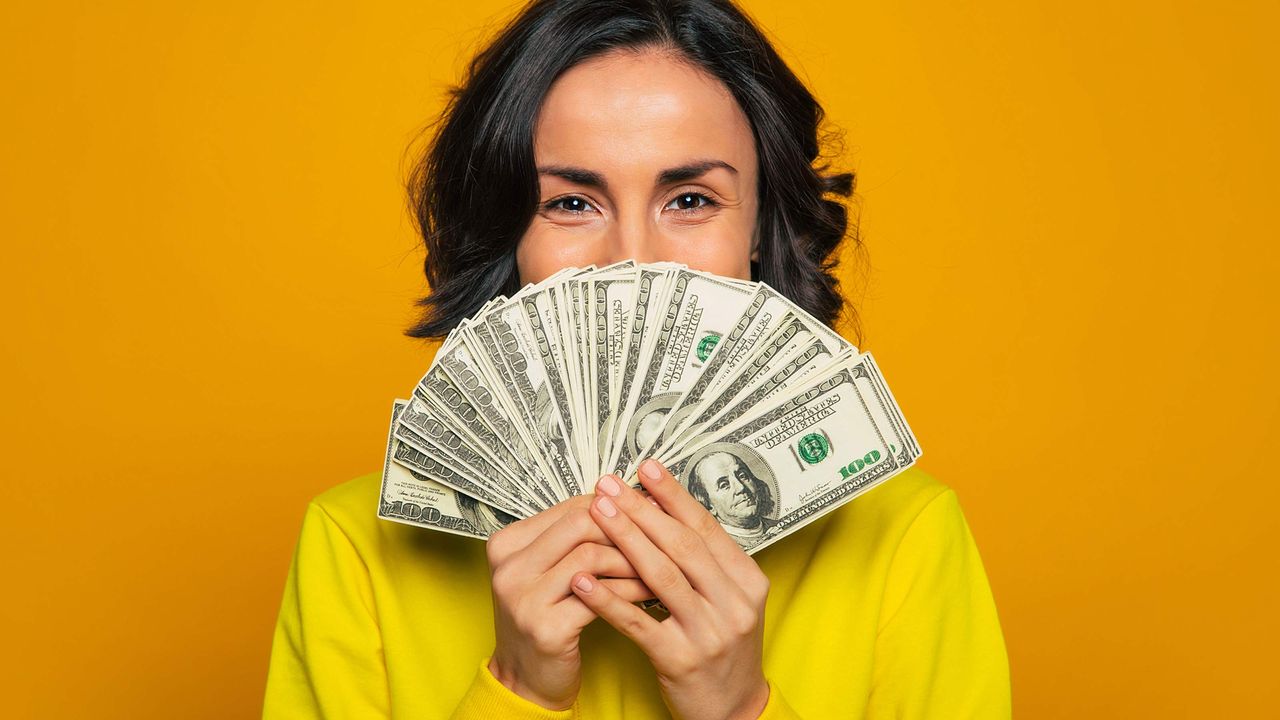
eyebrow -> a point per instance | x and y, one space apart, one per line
680 173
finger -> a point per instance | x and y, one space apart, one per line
524 531
599 560
569 612
676 501
655 568
628 619
678 541
574 613
628 589
573 528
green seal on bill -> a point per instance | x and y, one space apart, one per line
706 345
813 448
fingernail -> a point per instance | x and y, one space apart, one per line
651 500
606 506
609 486
652 469
584 584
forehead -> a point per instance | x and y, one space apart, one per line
627 112
717 465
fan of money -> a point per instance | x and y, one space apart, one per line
767 416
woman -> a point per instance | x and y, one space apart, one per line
591 132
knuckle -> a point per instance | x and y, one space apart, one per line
545 640
578 521
525 625
666 577
684 663
505 541
585 554
717 649
762 588
706 524
632 627
742 621
495 547
574 523
502 581
686 543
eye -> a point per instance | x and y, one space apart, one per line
573 204
722 484
687 202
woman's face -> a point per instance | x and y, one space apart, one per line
641 157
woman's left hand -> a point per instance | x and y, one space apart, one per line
708 652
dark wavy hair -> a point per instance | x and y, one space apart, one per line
474 190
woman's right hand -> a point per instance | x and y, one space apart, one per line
537 618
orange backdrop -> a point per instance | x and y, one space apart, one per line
1071 287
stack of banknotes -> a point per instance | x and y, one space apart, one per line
767 416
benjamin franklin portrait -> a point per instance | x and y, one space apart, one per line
735 484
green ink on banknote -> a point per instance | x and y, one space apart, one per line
706 345
813 448
867 460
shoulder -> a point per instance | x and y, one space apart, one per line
902 496
885 513
352 506
865 532
358 493
345 519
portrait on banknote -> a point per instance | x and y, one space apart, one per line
737 486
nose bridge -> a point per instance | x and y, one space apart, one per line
632 235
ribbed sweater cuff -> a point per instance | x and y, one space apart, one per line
487 698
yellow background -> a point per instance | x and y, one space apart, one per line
1072 288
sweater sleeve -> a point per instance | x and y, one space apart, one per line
939 650
327 657
487 698
777 708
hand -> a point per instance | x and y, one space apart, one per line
537 620
708 652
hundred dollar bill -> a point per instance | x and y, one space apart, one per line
438 395
414 499
578 330
472 377
650 288
432 462
498 355
757 315
888 407
612 296
566 301
687 414
698 309
766 314
491 480
790 354
798 459
532 391
540 318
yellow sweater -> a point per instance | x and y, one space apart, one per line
881 609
